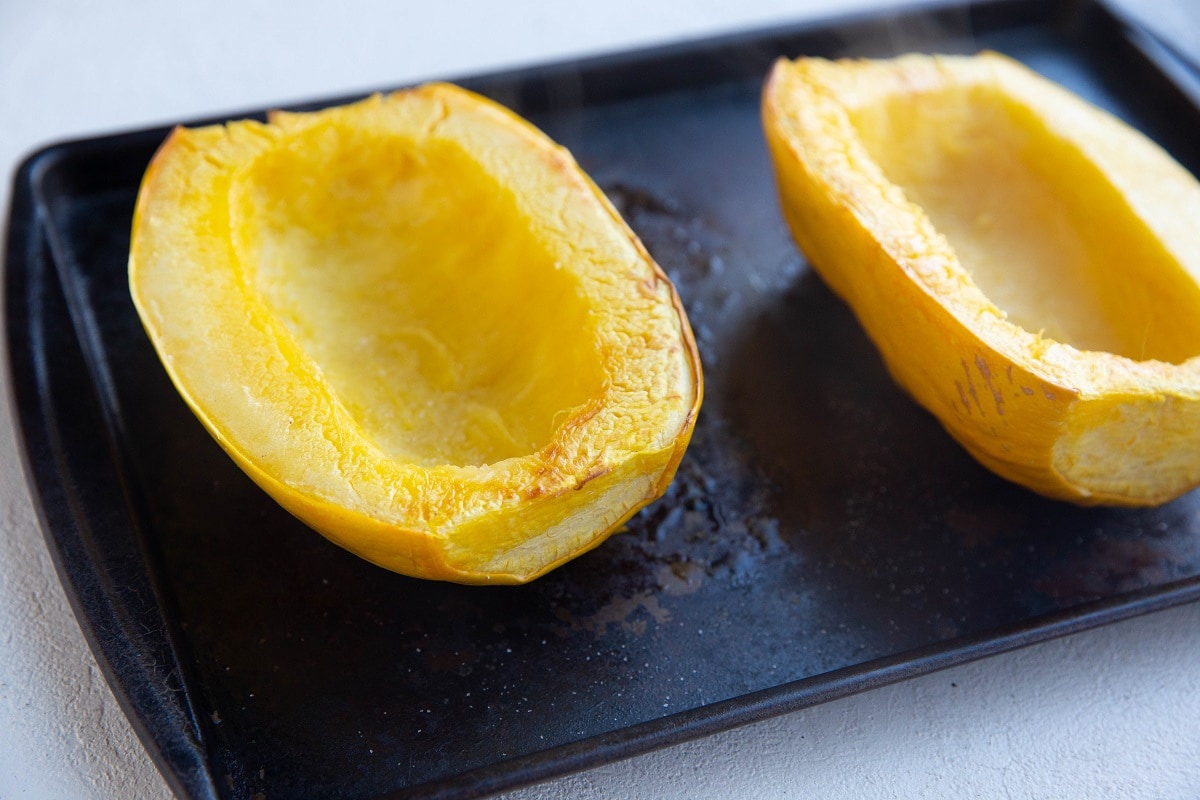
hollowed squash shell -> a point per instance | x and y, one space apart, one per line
1026 264
418 326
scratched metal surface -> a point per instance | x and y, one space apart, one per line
820 521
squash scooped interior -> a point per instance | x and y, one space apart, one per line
409 277
1040 229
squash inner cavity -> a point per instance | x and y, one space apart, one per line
1040 229
410 277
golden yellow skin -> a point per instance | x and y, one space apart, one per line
1027 265
420 327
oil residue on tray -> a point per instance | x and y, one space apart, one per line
715 521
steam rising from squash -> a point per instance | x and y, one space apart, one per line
1027 265
418 325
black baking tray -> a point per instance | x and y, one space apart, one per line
823 536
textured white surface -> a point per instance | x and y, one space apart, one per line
1109 713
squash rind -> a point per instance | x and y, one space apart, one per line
1054 418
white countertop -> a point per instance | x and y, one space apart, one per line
1113 712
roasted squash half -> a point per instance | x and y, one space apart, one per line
1026 264
420 327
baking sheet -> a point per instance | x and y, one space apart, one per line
823 536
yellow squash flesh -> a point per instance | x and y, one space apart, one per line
418 326
1026 264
